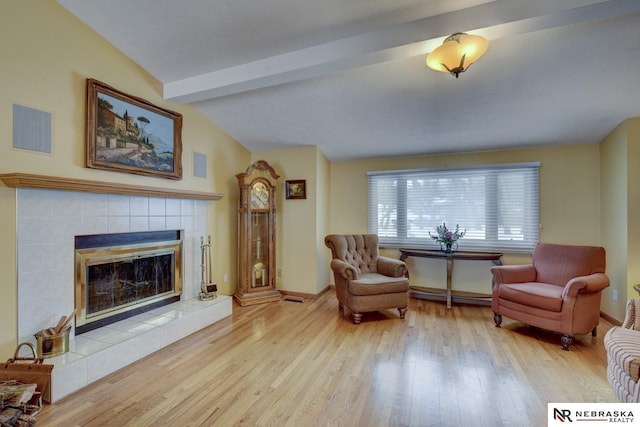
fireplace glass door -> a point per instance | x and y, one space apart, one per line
127 281
116 282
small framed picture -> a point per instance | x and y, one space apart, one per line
296 189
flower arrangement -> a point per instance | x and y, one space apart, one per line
448 238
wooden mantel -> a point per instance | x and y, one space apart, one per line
25 180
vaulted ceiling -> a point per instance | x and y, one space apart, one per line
349 76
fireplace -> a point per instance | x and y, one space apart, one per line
125 274
47 224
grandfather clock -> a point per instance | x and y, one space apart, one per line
257 235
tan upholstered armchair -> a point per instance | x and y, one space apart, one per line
364 280
623 355
559 291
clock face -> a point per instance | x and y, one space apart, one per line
259 196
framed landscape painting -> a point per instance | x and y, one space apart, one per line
128 134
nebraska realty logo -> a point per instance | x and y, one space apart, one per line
595 414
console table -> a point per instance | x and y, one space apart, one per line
449 295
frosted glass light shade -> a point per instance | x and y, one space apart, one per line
457 53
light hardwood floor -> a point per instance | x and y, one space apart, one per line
302 364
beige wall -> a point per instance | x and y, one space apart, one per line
569 203
46 57
569 183
633 206
613 226
8 288
298 251
323 221
620 225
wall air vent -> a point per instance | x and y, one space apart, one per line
31 129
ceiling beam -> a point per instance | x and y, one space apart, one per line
493 20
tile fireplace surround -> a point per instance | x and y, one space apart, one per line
47 222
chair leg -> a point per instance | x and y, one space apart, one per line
594 332
357 317
497 318
341 307
566 342
402 312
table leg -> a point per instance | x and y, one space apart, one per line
449 274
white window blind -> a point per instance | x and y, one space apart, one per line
497 205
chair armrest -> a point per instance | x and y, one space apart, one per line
513 273
631 315
344 269
623 349
392 267
586 284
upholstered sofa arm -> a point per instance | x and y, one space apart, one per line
586 284
623 347
631 320
514 273
344 269
392 267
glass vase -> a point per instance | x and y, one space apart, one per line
448 247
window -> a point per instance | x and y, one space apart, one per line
497 205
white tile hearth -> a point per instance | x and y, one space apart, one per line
98 353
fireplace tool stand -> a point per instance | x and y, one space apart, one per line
208 289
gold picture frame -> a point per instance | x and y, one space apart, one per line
129 134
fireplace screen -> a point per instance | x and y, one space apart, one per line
128 281
116 282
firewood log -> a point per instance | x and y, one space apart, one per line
9 416
15 393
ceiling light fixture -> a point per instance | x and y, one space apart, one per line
457 53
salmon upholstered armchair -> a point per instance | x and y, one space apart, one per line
559 291
364 280
623 355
